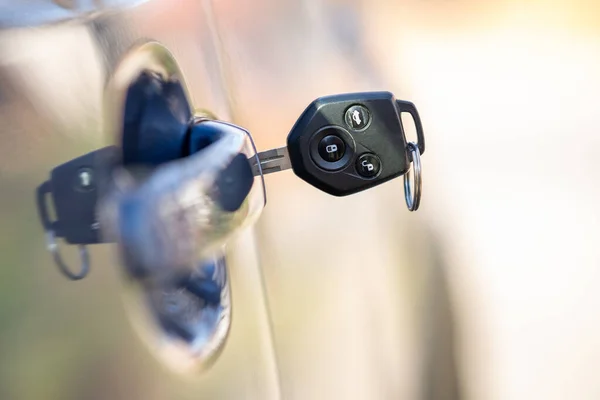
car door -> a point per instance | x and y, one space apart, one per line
65 340
326 292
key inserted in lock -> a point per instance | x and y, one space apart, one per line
341 144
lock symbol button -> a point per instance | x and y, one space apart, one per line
332 148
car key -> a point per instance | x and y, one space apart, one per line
73 188
347 143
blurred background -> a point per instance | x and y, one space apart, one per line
489 291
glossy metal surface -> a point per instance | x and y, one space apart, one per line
169 227
185 321
168 217
412 193
84 262
38 12
74 340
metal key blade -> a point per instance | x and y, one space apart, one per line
273 160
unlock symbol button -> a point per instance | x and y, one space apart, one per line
368 165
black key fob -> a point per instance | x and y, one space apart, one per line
347 143
73 189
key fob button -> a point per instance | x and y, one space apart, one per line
357 117
332 148
368 165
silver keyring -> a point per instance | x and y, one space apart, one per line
413 197
83 253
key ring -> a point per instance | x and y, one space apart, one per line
413 197
83 253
